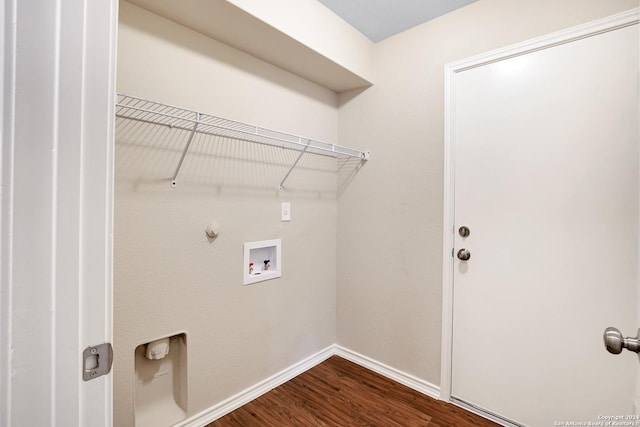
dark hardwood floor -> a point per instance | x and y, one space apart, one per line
340 393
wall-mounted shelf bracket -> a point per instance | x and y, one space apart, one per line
186 148
294 165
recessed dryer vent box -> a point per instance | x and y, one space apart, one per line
255 255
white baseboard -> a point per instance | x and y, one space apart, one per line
484 414
257 390
422 386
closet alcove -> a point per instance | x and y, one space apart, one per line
178 165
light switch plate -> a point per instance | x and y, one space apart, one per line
286 211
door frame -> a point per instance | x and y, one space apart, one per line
56 208
569 35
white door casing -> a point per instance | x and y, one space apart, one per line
58 83
541 204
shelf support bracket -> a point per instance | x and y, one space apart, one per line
186 148
294 164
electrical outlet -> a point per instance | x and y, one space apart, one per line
286 211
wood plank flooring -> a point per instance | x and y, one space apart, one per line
340 393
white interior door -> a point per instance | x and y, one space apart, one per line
546 178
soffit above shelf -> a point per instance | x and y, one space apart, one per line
325 50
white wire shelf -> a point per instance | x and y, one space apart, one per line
143 110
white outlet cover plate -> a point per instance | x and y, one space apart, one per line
286 211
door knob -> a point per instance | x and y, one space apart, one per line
615 342
464 254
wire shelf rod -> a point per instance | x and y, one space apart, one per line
331 150
175 117
269 144
155 113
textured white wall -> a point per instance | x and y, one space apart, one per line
390 216
169 276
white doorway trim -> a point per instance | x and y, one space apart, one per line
56 202
624 19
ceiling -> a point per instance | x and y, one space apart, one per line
379 19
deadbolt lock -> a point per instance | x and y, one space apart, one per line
464 231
